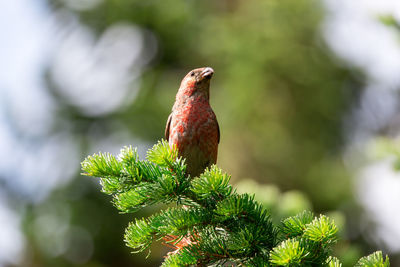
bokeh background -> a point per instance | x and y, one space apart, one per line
306 93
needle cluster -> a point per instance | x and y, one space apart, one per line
206 221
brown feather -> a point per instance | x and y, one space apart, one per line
166 134
219 134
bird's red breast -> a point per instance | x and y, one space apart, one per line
192 126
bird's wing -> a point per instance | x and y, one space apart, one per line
167 127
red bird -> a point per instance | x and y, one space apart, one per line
192 126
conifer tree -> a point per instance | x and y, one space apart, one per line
208 222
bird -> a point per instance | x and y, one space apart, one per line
192 126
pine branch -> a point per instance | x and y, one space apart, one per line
296 225
333 262
210 224
373 260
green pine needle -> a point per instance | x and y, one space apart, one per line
136 198
213 184
288 253
139 235
162 155
333 262
236 206
101 165
178 221
373 260
321 229
113 185
129 159
295 225
149 172
183 257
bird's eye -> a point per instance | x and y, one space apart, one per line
192 73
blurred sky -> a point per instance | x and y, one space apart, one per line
31 40
25 112
353 31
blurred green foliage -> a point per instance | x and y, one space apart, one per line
278 93
390 21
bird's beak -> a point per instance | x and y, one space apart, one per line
207 73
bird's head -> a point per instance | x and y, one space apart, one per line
198 81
